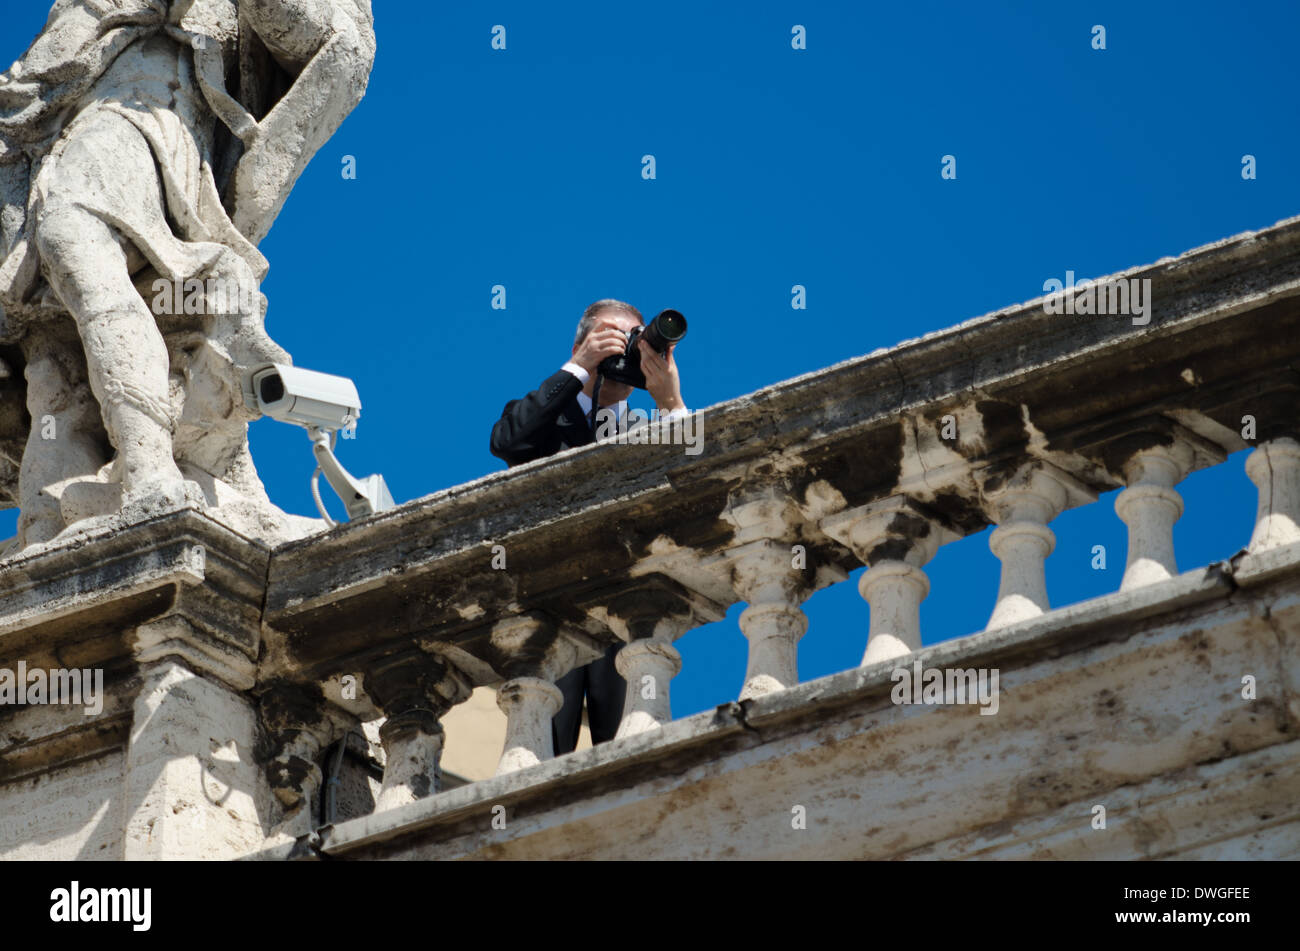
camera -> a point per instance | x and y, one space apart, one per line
315 400
323 403
668 327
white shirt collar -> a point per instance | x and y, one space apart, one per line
585 402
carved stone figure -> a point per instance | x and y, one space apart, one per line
146 147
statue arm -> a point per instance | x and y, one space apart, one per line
327 89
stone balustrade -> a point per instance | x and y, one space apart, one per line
876 463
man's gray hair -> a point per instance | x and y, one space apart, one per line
591 313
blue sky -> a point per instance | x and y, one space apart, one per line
775 167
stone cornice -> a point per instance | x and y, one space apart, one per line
191 587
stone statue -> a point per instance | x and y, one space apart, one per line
146 147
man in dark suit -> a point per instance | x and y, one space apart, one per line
556 416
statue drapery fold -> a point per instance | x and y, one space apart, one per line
241 84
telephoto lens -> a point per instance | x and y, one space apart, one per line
669 326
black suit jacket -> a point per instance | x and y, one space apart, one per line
542 423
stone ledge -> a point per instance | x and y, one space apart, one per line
80 603
1251 568
549 777
36 756
1245 794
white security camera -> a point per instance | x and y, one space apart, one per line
324 404
315 400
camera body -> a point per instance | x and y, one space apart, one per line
668 327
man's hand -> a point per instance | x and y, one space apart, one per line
604 340
661 379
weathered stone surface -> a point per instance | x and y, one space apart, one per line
169 612
69 813
191 788
239 675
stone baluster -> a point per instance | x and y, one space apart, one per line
648 665
763 574
649 614
1275 469
1022 505
299 724
529 703
1151 505
415 690
534 652
772 622
894 537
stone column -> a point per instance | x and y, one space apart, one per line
415 690
190 782
773 629
1275 469
1150 505
175 790
534 654
763 575
894 591
412 743
1022 505
762 572
648 666
895 537
529 704
648 614
298 725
